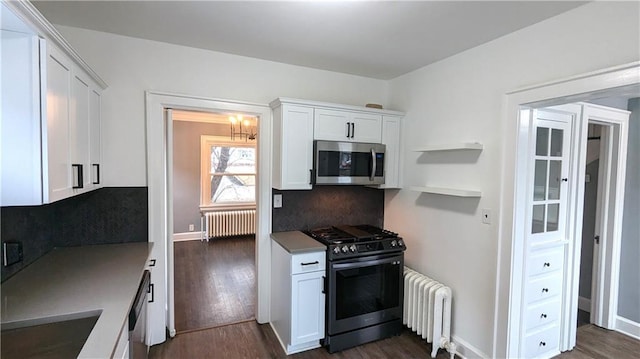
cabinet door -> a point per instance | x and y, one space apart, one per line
331 125
367 127
391 139
57 136
307 307
79 133
95 156
293 147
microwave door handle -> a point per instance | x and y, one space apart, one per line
373 164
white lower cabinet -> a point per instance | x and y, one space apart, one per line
297 298
122 348
543 302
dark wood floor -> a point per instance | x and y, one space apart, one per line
252 340
214 282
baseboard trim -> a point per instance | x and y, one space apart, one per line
187 236
584 304
628 327
466 350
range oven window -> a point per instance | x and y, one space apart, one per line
367 289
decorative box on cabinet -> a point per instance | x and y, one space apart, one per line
297 298
51 129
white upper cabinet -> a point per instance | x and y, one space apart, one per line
391 132
297 123
337 125
292 146
51 129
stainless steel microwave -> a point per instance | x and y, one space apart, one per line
345 163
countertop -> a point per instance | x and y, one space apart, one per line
297 242
69 281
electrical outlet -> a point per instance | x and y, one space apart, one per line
277 201
12 253
486 216
192 228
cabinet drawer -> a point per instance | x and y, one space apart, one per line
546 287
307 262
542 314
543 343
547 261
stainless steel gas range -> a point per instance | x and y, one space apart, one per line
364 285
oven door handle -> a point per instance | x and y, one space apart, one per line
395 260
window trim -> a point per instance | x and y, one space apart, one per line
206 141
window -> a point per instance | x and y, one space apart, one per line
228 173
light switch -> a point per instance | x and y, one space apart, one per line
277 201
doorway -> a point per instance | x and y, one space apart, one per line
213 180
159 135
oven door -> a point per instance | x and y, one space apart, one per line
348 163
364 291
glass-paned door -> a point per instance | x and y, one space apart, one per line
549 194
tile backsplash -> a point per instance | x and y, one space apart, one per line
328 205
104 216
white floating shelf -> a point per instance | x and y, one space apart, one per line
451 147
447 191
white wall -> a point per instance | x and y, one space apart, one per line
131 66
461 99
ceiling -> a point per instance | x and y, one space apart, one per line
368 38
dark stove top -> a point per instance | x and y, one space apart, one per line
355 241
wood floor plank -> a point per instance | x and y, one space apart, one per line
214 282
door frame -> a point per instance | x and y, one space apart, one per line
612 81
160 200
610 206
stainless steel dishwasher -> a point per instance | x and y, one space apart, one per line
138 320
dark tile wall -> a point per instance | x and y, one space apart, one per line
328 205
104 216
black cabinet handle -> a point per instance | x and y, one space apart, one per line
353 129
349 129
545 290
324 284
309 263
546 264
79 177
310 176
151 291
152 263
543 344
97 167
543 316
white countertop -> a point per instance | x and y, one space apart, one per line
68 281
297 242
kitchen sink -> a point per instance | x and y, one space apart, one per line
54 337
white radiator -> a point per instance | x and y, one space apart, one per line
229 223
427 310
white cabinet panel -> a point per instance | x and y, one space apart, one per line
79 132
546 262
335 125
391 131
293 147
542 314
58 138
307 307
95 156
543 344
308 262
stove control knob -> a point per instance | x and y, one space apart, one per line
353 248
336 250
394 243
345 249
400 243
